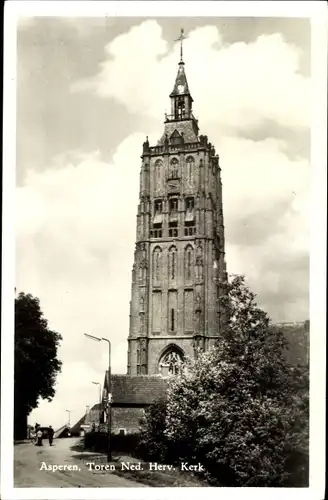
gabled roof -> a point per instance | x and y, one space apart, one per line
77 426
175 134
181 84
59 432
138 389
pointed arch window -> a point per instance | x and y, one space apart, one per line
171 361
189 263
190 170
172 263
180 107
189 207
157 174
174 168
158 209
157 257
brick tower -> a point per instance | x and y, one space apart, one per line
179 255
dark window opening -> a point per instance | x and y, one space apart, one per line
189 223
189 265
172 265
179 107
173 205
173 229
173 233
156 233
172 320
158 206
190 204
190 231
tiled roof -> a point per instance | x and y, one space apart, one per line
139 389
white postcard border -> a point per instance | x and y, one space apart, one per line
317 11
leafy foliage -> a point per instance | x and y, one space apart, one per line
240 409
36 363
98 441
153 444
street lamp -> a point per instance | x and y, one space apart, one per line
69 418
98 383
109 390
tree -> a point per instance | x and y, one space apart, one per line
36 363
153 444
240 408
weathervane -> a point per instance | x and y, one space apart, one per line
180 39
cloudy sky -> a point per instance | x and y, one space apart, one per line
88 92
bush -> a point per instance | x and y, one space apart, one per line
153 443
125 443
98 441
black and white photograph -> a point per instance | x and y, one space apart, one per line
162 319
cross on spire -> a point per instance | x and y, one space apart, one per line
180 39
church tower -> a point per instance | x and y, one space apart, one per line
179 256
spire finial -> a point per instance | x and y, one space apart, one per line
180 39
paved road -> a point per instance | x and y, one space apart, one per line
28 460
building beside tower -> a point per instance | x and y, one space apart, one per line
179 255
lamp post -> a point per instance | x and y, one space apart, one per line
99 409
69 418
109 391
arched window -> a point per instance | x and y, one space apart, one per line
174 168
172 263
190 168
157 256
157 174
189 264
171 361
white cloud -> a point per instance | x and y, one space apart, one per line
77 258
266 197
261 173
234 86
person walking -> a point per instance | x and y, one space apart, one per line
50 435
39 436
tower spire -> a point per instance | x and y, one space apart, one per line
180 39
